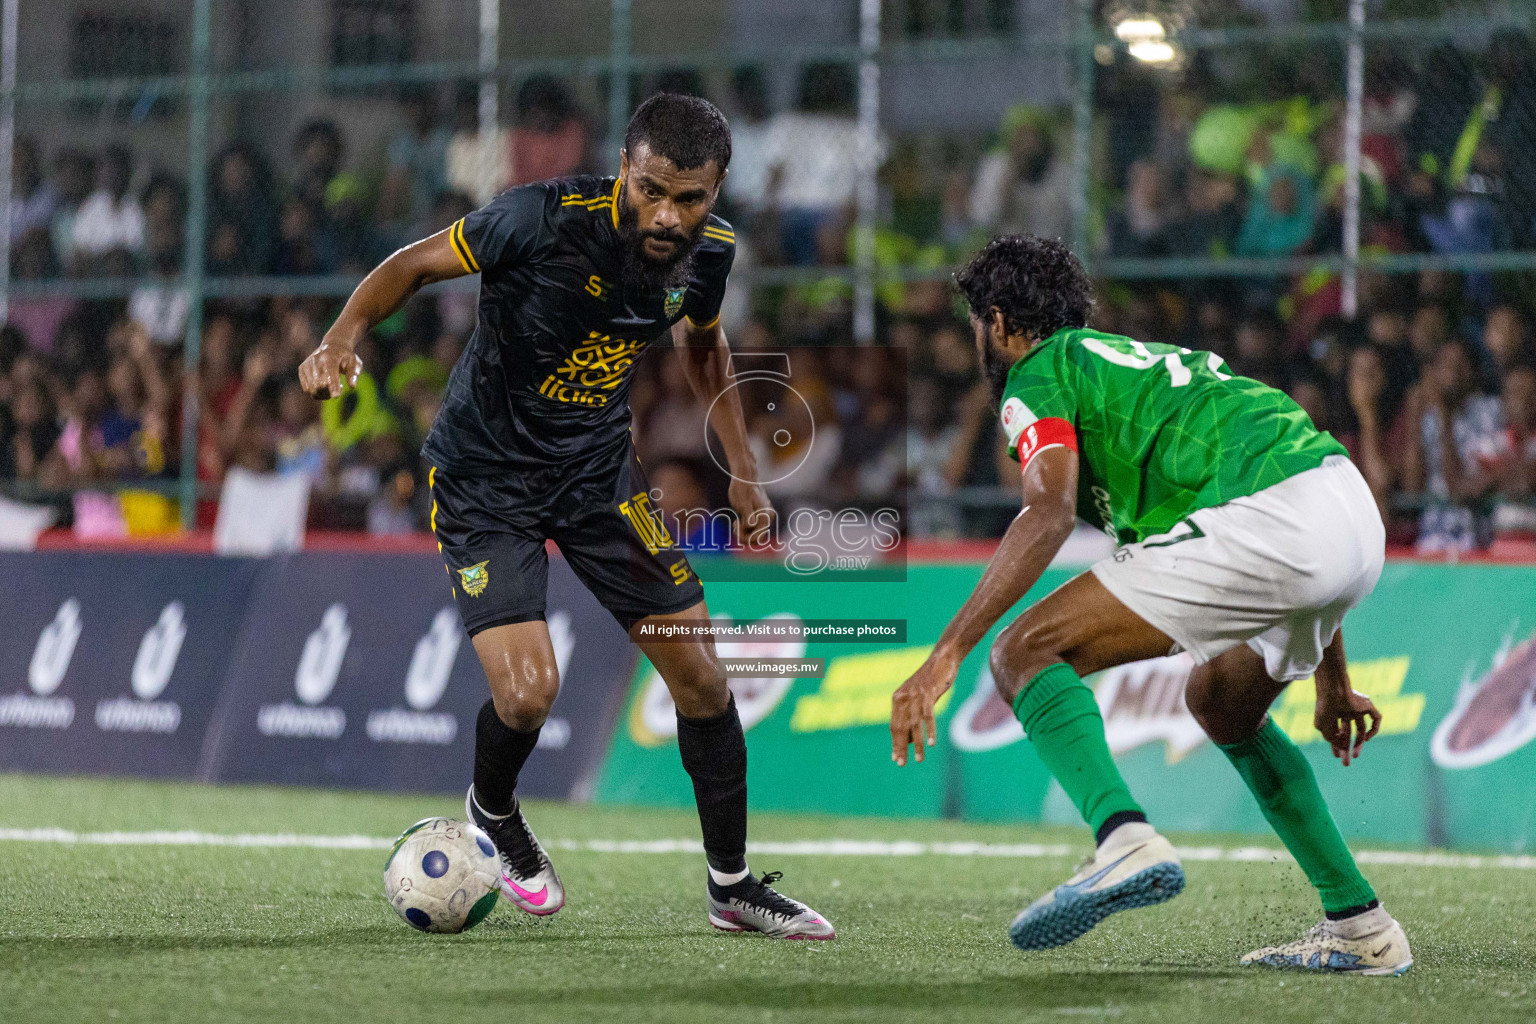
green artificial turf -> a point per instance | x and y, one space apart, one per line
200 933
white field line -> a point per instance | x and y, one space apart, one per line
803 847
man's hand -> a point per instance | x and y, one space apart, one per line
912 723
1346 718
753 509
329 369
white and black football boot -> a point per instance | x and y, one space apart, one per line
528 879
750 905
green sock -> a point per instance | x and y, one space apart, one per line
1061 718
1282 781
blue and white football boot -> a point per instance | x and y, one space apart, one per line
1371 944
1133 867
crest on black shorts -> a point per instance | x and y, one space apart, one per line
475 578
675 300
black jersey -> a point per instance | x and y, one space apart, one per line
546 374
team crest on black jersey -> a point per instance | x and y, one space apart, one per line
674 301
475 578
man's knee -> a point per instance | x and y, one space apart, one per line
698 687
1230 695
523 694
1200 699
1018 655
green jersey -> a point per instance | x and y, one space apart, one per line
1160 431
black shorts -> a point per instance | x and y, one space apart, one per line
491 531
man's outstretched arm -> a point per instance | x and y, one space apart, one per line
334 365
1032 540
707 364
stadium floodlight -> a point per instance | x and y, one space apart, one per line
1152 51
1133 30
1146 39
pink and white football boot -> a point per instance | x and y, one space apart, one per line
528 879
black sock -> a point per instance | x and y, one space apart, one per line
715 756
1339 915
500 752
1114 821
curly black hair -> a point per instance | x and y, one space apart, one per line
1037 283
687 130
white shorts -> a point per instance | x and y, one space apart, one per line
1276 570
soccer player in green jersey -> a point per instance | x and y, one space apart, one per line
1244 535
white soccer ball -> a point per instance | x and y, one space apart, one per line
442 876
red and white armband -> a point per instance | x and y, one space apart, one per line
1029 435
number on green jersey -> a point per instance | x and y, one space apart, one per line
1160 431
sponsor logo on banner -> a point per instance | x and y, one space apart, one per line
556 734
983 722
55 649
319 665
1143 702
857 690
1380 679
426 680
152 668
653 720
1494 716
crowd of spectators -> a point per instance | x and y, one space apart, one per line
1431 386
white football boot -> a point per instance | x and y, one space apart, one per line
1370 944
752 905
528 879
1134 867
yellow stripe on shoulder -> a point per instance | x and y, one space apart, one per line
461 249
469 253
702 327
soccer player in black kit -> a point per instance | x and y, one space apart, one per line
578 276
